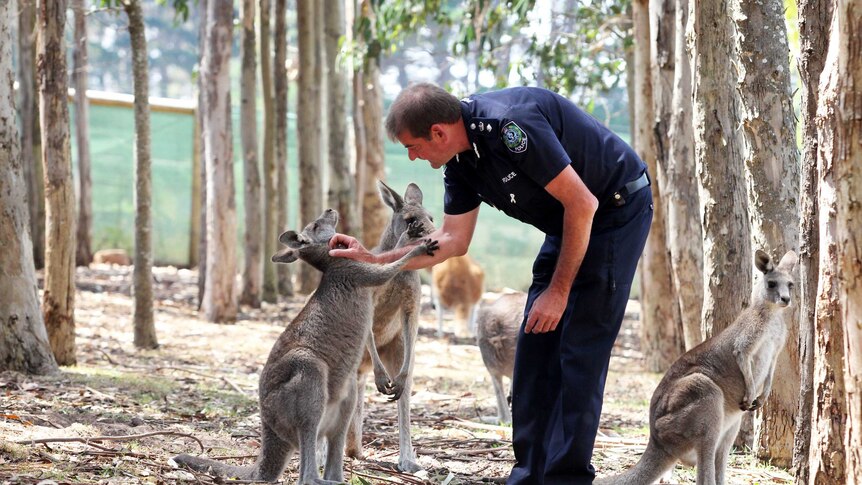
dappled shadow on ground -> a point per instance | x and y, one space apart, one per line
121 413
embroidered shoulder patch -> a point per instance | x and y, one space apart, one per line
514 137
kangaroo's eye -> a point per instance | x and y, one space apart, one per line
431 219
790 285
770 284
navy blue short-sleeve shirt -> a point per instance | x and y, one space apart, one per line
522 138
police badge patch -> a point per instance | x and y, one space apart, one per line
514 137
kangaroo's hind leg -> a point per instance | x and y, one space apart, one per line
709 427
336 434
393 357
274 452
354 431
722 453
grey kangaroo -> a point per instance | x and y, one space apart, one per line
308 385
396 323
497 326
696 408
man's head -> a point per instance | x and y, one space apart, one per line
427 121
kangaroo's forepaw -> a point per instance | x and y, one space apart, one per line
416 229
431 246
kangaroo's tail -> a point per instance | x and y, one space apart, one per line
652 465
214 467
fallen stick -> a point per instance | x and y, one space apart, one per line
98 439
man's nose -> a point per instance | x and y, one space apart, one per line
411 155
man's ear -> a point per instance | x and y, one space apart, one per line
438 132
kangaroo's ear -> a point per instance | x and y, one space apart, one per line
413 194
788 261
291 239
285 255
762 262
390 197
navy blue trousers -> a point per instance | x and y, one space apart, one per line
559 377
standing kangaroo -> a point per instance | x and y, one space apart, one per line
308 385
497 327
696 409
396 323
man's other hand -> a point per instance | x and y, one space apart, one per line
546 312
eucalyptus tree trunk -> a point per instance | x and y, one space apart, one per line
220 302
24 343
145 329
359 148
285 283
849 223
661 331
772 176
829 412
253 271
58 299
271 221
84 255
310 191
726 243
31 133
374 214
679 183
201 198
814 17
341 196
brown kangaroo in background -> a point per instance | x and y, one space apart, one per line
457 283
497 326
308 385
696 408
396 324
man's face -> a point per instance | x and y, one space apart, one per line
432 149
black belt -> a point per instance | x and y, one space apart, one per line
619 197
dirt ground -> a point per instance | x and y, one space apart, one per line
197 394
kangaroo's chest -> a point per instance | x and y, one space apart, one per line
771 343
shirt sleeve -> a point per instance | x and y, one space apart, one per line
458 197
533 144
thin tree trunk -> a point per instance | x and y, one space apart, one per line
661 331
340 180
203 8
829 412
285 283
848 175
310 202
24 343
679 190
359 150
253 271
84 254
145 330
814 16
31 133
271 221
219 298
374 216
727 252
58 300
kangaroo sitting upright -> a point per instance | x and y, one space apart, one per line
308 385
396 323
696 409
497 327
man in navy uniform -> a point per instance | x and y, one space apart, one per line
540 159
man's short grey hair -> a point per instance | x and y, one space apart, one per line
419 106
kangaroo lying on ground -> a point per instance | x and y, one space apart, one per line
396 323
497 327
457 284
696 408
308 385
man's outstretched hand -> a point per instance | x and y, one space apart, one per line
344 246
